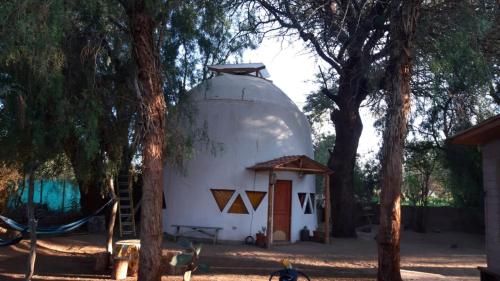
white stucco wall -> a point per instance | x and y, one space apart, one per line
491 178
254 121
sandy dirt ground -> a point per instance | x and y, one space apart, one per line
431 256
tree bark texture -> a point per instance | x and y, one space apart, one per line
91 197
402 28
351 52
348 128
32 225
141 26
112 218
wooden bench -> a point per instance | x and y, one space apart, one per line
488 275
209 231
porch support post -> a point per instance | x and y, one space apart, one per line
270 208
326 178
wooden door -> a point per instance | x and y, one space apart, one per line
282 210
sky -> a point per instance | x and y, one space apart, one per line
292 69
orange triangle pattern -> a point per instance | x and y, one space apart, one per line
238 206
222 196
255 198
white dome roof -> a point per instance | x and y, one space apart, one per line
241 88
247 120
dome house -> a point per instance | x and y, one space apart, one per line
261 178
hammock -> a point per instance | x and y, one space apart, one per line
5 243
54 230
13 224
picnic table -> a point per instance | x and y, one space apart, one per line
126 258
209 231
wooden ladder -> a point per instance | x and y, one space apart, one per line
126 209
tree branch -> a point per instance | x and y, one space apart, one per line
325 89
306 36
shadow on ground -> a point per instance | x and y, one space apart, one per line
424 257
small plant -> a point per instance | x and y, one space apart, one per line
262 231
188 260
260 237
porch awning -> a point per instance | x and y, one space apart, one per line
293 163
482 133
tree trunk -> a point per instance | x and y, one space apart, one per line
32 225
348 128
141 26
91 197
112 218
402 28
89 178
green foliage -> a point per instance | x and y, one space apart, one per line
452 81
465 180
322 146
9 179
365 177
58 167
440 201
31 81
67 79
366 181
442 177
318 106
453 72
196 34
422 169
411 189
101 104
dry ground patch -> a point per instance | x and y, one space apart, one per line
432 256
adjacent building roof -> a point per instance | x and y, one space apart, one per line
257 69
293 163
482 133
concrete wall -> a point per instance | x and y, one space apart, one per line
491 178
253 121
469 220
51 193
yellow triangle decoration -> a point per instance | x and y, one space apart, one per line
222 196
238 206
255 198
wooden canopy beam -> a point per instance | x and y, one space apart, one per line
293 163
270 209
303 170
305 165
326 178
